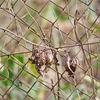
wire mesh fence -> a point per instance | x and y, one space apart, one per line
49 50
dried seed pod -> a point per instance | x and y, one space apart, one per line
39 70
49 59
34 56
71 65
42 59
55 58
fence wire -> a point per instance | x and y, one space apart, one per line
49 50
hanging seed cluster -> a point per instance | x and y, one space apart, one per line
43 60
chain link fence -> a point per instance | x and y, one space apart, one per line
49 50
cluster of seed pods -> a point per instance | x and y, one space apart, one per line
43 59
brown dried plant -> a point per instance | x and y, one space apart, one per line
42 59
71 64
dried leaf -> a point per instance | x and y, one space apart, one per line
71 65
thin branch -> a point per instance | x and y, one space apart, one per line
58 83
